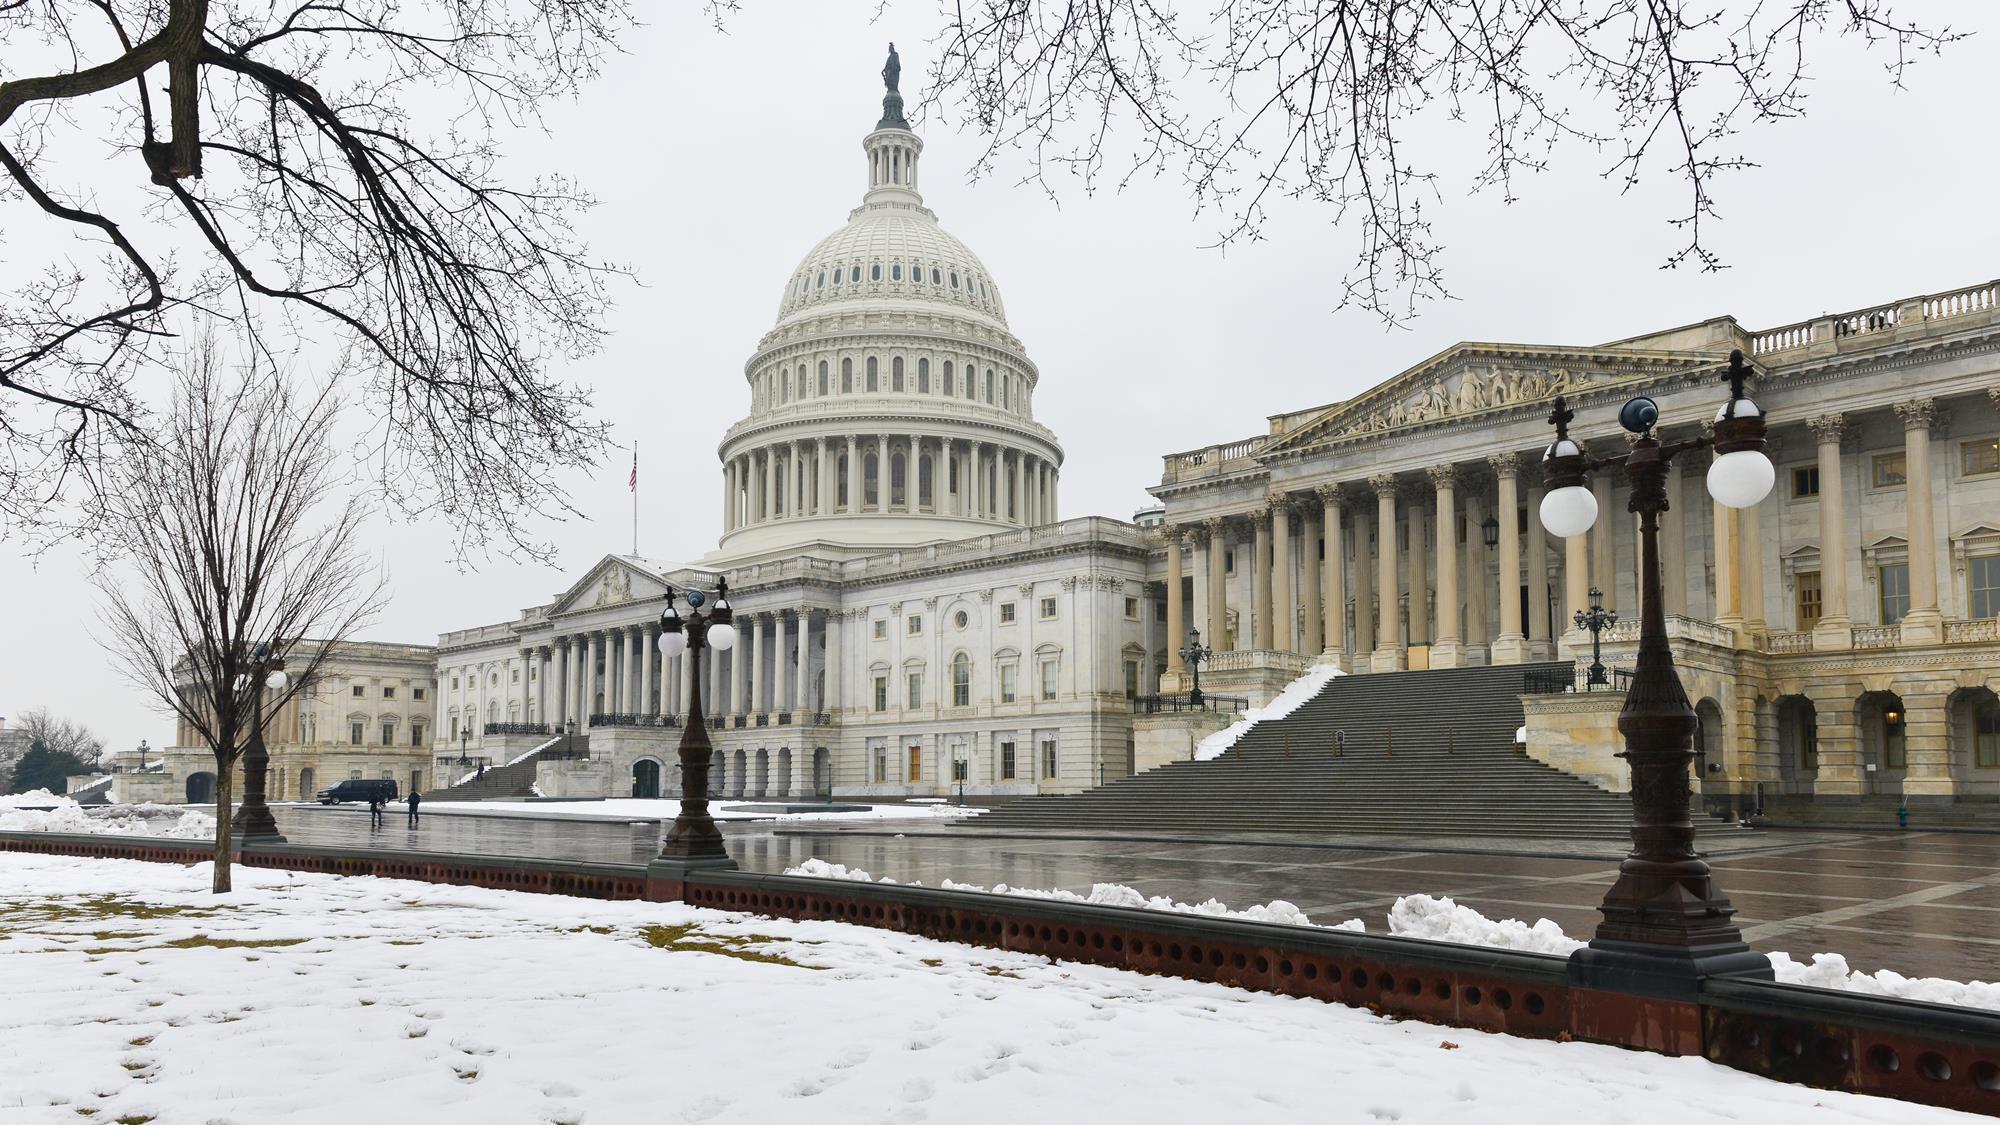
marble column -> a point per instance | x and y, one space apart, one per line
1017 498
1835 630
527 684
757 680
647 646
590 673
686 678
824 459
1511 646
1175 628
938 503
1277 634
1539 645
1260 583
1364 590
1728 605
853 474
780 666
882 474
546 658
1333 576
735 667
1478 622
729 497
614 670
833 693
1312 643
1924 624
1447 650
1218 587
1576 593
1604 539
910 492
1750 573
1673 534
1417 579
561 645
1388 645
770 505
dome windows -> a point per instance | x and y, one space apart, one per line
946 387
822 377
873 381
896 374
875 272
820 281
936 279
847 376
954 279
895 271
923 376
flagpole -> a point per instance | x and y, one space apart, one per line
635 499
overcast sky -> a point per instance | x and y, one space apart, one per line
722 158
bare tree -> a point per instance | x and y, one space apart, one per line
331 164
1254 100
65 736
236 535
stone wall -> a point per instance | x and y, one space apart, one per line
1578 734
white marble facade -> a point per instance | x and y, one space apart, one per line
910 604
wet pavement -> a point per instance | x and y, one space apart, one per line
1920 903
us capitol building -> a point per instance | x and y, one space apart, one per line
911 607
914 611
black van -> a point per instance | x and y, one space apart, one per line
359 789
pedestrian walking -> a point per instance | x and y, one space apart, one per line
375 811
416 799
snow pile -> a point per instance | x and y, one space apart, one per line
37 798
1830 970
1287 701
1440 919
165 821
1101 894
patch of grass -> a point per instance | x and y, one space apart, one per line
933 962
691 938
133 1119
405 943
203 941
997 971
588 930
139 1042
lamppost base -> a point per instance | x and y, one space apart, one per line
255 825
679 869
1669 972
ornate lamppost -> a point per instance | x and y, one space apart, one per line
1193 654
694 843
464 744
1666 922
253 819
1596 619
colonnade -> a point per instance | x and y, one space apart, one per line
618 670
842 475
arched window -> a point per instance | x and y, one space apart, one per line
924 497
1003 391
947 377
936 279
961 680
896 373
923 376
875 271
784 386
836 275
871 480
971 382
873 382
989 386
895 271
820 280
822 377
898 475
954 279
847 376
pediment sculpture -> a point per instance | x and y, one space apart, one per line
1474 391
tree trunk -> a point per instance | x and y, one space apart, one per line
225 781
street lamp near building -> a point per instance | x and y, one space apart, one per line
1596 619
1666 922
694 843
1193 654
253 820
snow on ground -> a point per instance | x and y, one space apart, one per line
312 999
635 808
1287 701
36 798
1441 919
174 822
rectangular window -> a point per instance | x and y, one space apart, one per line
417 734
881 763
1007 672
454 683
881 628
1049 758
454 726
1131 679
916 689
1983 578
354 775
916 624
388 775
1894 748
1048 609
357 690
881 693
1891 470
1229 562
356 731
417 694
1986 736
1895 583
514 676
1805 481
1048 680
916 763
1131 609
1809 598
388 734
1006 613
961 683
1007 760
388 693
1977 458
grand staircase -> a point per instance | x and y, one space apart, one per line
1427 753
516 779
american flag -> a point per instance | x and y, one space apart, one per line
633 484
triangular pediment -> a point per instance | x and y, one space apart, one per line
615 580
1468 380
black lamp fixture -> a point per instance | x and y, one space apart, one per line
694 842
1194 653
1490 531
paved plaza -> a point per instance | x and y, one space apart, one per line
1920 903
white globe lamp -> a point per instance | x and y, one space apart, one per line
673 644
1741 479
722 637
1569 511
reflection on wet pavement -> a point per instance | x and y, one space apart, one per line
1923 904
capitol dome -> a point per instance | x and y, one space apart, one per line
890 405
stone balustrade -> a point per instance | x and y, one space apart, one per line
1914 312
1877 636
1782 643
